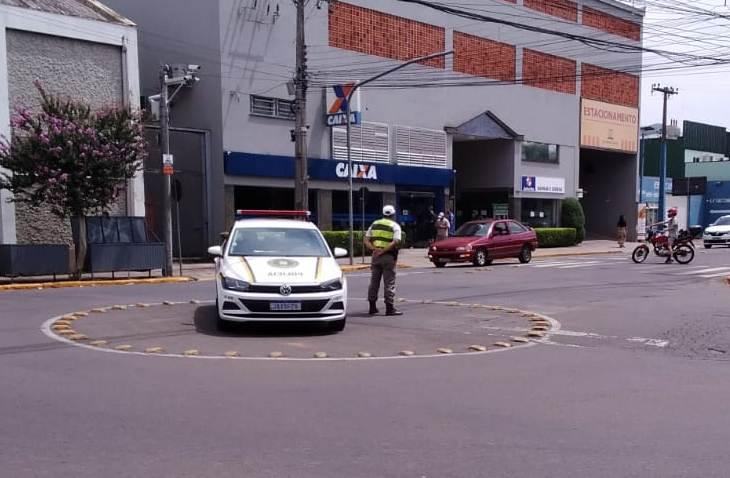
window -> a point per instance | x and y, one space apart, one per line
420 147
500 229
272 107
515 228
368 142
540 152
270 241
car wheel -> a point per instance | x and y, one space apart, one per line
439 264
338 325
480 258
525 255
708 246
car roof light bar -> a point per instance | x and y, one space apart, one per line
281 213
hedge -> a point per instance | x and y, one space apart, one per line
555 236
342 239
571 215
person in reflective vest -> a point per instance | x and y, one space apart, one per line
383 238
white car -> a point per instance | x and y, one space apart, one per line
279 270
718 233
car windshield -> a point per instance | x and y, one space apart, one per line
471 229
276 241
723 221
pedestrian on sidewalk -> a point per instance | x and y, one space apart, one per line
452 222
383 238
621 230
442 227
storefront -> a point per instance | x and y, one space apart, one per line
264 181
542 207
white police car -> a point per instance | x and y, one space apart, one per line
278 270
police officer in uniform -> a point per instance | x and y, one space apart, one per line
383 238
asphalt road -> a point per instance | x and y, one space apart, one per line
633 382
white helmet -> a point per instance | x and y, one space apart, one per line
388 210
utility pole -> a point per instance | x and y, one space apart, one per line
166 170
301 179
667 91
178 76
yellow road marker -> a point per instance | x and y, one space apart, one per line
142 305
535 333
99 310
119 307
77 337
520 340
60 327
477 348
192 352
232 353
406 353
123 347
80 314
503 344
154 350
276 354
444 350
66 332
98 343
364 354
320 355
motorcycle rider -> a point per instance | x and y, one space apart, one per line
672 230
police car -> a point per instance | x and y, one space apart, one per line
276 266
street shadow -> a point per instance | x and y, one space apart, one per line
206 323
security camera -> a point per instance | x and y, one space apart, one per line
193 67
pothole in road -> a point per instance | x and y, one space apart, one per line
188 329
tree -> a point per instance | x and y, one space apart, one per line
71 159
571 215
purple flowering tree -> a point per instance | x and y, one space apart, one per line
71 159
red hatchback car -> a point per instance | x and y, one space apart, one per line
480 242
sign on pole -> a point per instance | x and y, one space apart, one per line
167 162
337 105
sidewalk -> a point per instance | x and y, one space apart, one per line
206 271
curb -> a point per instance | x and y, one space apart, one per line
94 283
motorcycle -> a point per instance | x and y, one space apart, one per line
683 250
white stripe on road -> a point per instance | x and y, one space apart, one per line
557 264
712 276
705 271
584 264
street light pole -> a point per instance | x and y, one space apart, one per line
667 91
355 87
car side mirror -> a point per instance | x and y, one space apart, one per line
340 252
215 251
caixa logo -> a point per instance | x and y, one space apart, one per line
359 171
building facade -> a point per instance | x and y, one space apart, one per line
493 130
77 49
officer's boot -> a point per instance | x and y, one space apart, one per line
391 310
373 308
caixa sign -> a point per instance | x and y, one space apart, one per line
359 171
337 99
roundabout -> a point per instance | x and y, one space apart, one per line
188 330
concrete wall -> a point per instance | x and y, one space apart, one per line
170 34
719 171
56 63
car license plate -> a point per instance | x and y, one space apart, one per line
285 306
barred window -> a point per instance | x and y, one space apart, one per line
272 107
540 152
420 147
368 142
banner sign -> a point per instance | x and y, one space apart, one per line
541 184
607 126
337 105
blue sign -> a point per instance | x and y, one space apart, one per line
650 188
264 165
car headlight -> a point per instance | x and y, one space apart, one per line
230 283
335 284
466 248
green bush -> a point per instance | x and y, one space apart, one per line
556 236
342 239
571 215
